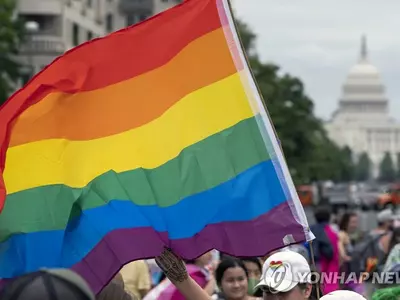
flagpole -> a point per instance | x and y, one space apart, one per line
268 115
251 71
254 77
315 268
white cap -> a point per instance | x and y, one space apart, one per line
283 270
343 295
298 248
385 216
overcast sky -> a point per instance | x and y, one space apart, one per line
319 41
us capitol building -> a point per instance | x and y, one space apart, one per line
362 119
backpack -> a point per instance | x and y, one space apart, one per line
367 256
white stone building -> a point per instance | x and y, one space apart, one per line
362 120
123 13
55 26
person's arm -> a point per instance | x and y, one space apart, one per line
175 269
210 287
191 290
200 278
385 242
342 252
343 239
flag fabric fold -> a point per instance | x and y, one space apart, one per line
152 136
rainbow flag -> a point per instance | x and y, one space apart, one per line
154 135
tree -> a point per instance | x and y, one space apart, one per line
387 170
347 164
327 160
247 38
11 32
308 151
363 167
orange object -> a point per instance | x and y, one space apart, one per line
371 264
391 197
306 195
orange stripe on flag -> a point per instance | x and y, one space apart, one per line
131 103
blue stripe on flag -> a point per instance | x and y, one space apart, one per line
245 197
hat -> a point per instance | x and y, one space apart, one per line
52 284
343 295
283 270
385 216
299 248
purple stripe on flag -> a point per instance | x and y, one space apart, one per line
249 238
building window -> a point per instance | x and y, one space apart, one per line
142 18
135 18
89 35
109 23
75 34
131 19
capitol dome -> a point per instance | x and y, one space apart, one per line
364 70
362 121
363 90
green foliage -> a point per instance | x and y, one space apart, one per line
347 166
11 32
309 153
363 167
387 172
247 38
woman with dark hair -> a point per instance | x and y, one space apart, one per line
254 270
232 279
347 226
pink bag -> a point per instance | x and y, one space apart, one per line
330 268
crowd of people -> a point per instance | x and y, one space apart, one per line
340 247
